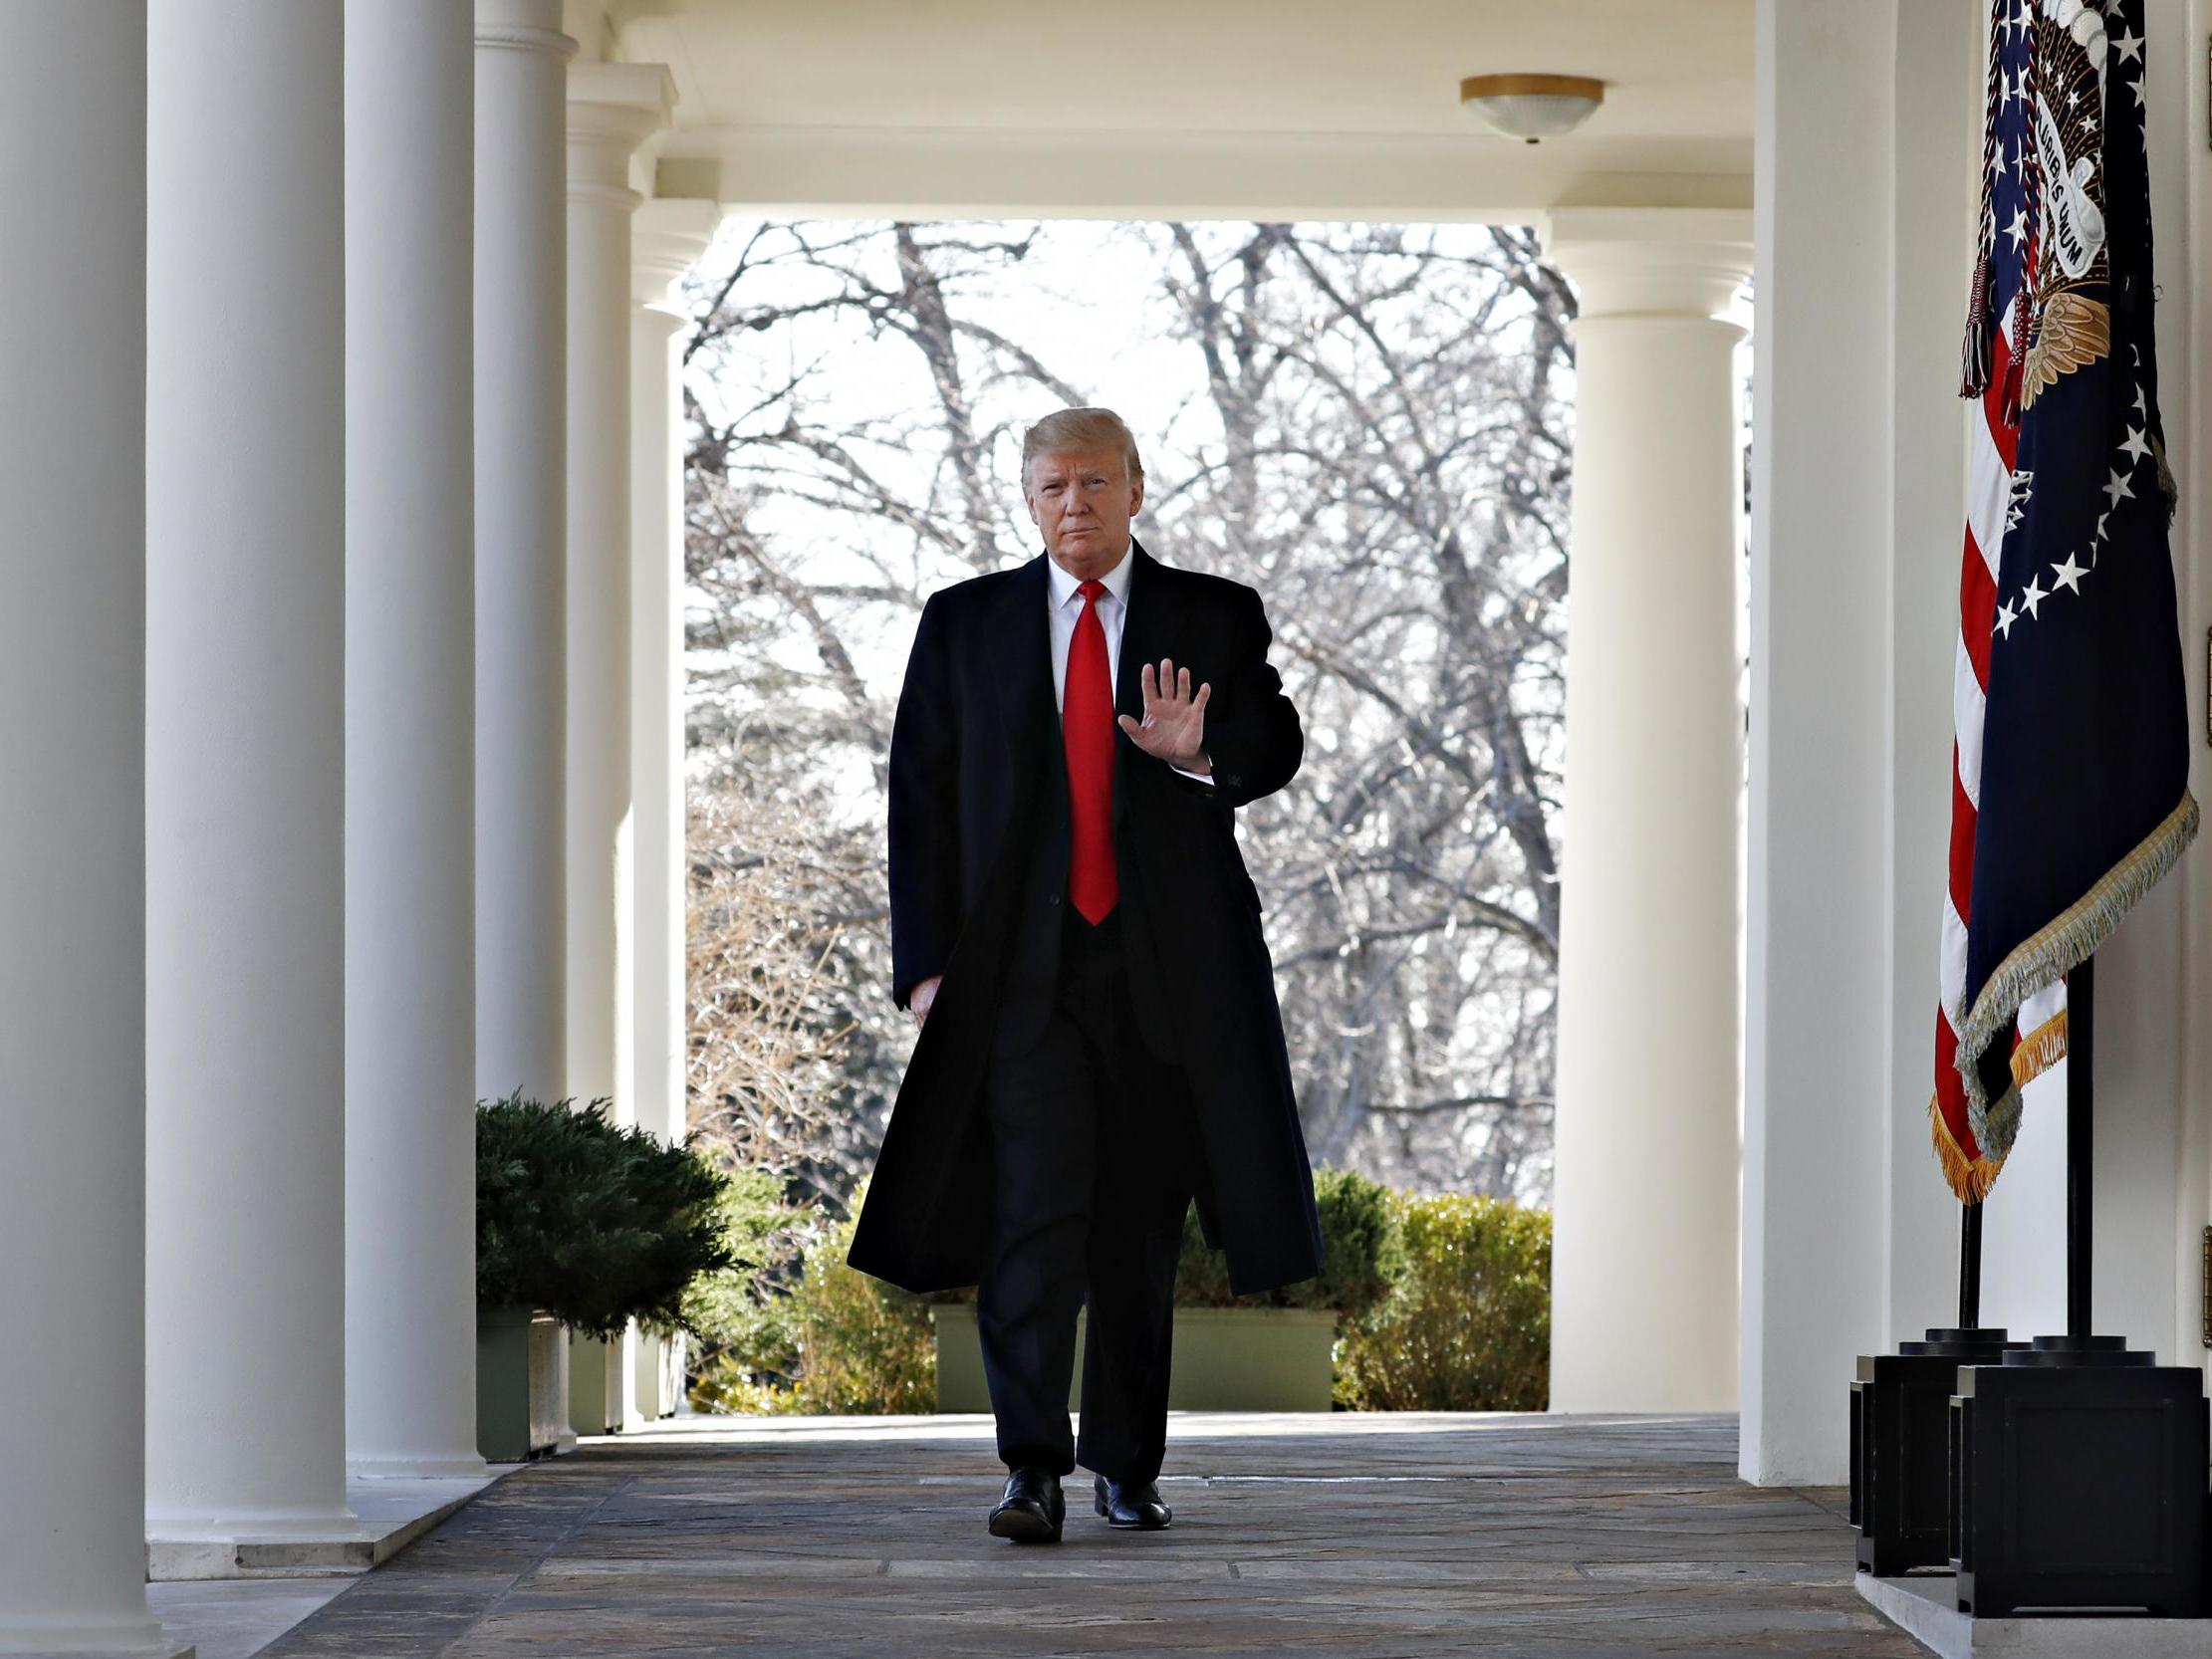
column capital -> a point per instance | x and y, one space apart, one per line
523 26
1651 260
613 108
666 238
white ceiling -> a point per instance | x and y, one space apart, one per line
1190 106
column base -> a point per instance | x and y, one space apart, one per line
387 1514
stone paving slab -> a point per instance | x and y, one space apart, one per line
235 1618
1350 1537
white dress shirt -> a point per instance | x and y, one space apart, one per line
1064 598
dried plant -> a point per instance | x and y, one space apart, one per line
778 947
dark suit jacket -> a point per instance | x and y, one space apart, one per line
978 838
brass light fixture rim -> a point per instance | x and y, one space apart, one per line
1508 85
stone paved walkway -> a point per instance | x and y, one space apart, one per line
1337 1536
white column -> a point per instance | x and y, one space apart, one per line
245 735
613 108
1644 1277
1817 1098
71 825
521 621
411 987
667 236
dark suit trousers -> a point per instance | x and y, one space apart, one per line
1091 1141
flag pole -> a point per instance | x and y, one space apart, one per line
2081 1162
1970 1264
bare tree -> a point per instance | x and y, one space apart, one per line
785 957
1371 427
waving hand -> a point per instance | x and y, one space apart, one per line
1174 723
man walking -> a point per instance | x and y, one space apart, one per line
1074 930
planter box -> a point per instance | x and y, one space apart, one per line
595 1385
648 1367
1225 1360
675 1358
658 1373
522 1361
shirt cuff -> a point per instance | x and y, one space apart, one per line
1205 778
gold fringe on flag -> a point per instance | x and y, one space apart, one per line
2039 960
2038 1050
1971 1178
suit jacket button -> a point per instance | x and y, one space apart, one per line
1055 899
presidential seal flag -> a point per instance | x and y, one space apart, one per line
2071 792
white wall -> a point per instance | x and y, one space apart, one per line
1936 195
2151 1163
2181 192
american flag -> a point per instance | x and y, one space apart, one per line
2069 795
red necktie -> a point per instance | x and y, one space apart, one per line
1086 733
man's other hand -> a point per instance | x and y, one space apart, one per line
1174 723
921 997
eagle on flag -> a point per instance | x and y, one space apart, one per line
2069 795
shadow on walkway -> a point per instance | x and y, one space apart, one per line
1340 1535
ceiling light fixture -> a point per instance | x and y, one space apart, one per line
1532 107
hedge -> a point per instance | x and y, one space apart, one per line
1468 1326
1443 1305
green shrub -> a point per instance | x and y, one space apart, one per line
865 1347
593 1222
742 1316
1468 1326
826 1339
1360 1254
1444 1305
838 1341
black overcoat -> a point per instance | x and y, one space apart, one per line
976 765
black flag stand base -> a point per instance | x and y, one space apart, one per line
1900 1446
2063 1474
2077 1464
2079 1468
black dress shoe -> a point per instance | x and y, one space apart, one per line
1032 1510
1137 1503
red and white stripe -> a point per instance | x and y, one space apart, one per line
1990 453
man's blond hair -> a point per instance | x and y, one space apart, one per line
1072 429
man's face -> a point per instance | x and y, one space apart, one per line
1082 500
